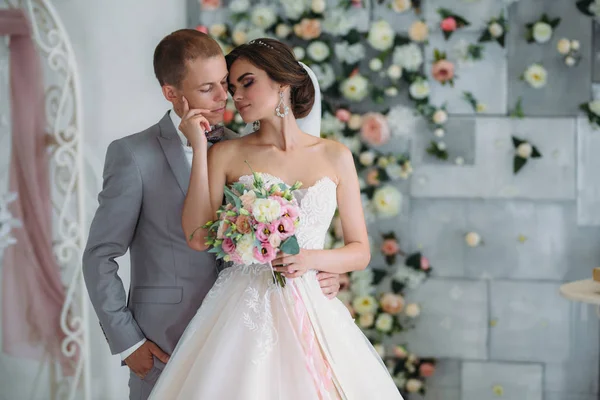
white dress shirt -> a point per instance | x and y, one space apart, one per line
189 154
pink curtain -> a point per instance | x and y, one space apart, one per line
32 292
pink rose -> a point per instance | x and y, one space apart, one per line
228 246
210 4
202 28
375 129
285 227
343 115
443 71
392 303
263 231
390 247
425 263
448 24
264 254
373 177
426 370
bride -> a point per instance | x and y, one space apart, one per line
252 339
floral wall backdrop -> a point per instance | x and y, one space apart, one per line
474 129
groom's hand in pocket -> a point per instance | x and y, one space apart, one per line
141 361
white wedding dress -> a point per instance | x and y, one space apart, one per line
251 340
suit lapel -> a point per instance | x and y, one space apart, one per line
171 145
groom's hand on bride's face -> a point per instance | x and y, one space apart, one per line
330 284
141 360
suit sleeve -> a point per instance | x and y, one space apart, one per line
111 233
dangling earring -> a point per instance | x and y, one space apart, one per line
281 105
256 125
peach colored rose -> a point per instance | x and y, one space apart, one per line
392 303
425 263
210 4
228 116
443 71
390 247
375 129
343 115
202 28
308 29
243 224
373 177
426 370
418 31
248 200
448 24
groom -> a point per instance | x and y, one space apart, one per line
146 177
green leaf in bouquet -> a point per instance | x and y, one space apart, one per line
413 261
239 187
584 7
516 141
518 163
232 198
290 246
535 152
378 275
390 260
486 36
397 286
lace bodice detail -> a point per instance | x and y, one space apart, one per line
317 207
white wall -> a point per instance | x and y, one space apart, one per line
114 42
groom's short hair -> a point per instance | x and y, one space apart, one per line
176 49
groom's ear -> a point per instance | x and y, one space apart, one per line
170 93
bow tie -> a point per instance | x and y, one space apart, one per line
215 135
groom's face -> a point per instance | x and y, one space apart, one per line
204 86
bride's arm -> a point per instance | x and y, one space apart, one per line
356 253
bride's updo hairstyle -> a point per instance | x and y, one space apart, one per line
280 64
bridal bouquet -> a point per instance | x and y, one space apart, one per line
256 223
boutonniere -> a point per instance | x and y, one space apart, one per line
496 30
450 22
523 152
569 50
540 31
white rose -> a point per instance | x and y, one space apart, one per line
419 89
459 160
439 132
239 6
364 304
375 64
387 200
299 53
473 239
570 61
263 17
282 31
412 310
542 32
440 117
318 51
413 385
274 240
217 30
239 37
355 88
401 6
524 150
563 46
495 29
318 6
355 122
575 45
366 320
381 35
408 56
384 322
594 107
394 71
366 158
391 92
379 349
245 248
536 76
266 210
441 146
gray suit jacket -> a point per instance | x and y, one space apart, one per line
146 176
